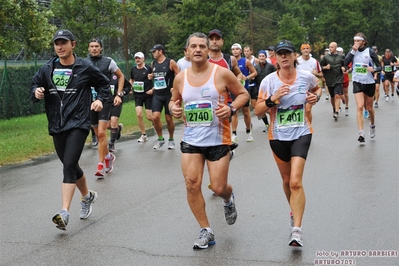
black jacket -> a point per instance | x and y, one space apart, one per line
73 109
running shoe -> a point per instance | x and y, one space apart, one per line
94 141
376 105
234 138
386 98
266 128
291 222
372 131
335 115
346 111
230 212
87 207
143 138
159 144
109 163
328 97
392 98
204 240
361 136
249 137
296 238
61 219
111 147
171 145
366 114
119 133
100 170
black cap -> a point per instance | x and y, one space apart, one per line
158 47
271 48
97 40
215 32
285 45
63 34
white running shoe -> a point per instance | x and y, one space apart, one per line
143 138
234 138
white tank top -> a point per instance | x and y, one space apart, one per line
202 128
360 62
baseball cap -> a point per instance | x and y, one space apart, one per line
215 32
139 54
63 34
285 45
236 45
157 47
262 52
271 48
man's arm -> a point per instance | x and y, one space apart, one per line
174 67
252 70
176 100
234 67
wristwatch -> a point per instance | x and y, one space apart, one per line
120 94
233 110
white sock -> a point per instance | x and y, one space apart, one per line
297 229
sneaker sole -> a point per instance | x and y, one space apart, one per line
294 243
59 223
198 247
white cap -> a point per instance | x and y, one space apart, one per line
139 54
236 45
339 49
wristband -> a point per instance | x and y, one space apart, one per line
269 102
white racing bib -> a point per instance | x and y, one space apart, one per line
198 113
138 86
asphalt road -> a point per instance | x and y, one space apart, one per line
142 217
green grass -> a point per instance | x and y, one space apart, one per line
25 138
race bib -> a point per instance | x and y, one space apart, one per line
199 113
61 78
138 86
361 68
160 83
293 116
388 68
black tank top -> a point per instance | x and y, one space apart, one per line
163 71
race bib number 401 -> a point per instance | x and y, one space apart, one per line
198 113
293 116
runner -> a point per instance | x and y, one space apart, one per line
283 94
64 84
99 120
163 73
308 63
333 69
248 73
362 59
142 91
388 64
263 69
206 136
377 78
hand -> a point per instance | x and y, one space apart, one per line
311 98
355 47
117 100
223 111
327 66
97 106
39 93
282 91
176 111
150 76
150 92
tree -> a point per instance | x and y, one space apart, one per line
90 18
24 26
